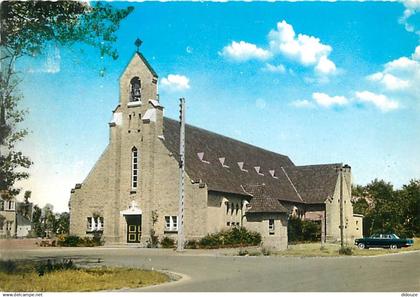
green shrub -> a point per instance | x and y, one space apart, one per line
191 244
311 231
50 266
243 252
230 238
8 266
345 251
167 242
70 240
75 241
266 251
97 238
153 242
298 230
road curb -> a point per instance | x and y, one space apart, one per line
180 278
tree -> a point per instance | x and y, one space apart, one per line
361 207
389 210
409 196
63 223
26 28
49 221
37 221
27 206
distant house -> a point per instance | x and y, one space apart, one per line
23 226
132 191
7 216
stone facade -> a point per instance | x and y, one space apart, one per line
353 227
108 190
131 194
7 217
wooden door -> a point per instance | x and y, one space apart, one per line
133 228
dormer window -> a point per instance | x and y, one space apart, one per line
135 89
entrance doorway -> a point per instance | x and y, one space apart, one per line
133 228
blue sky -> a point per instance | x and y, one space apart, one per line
320 82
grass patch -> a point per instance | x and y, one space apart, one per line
332 250
23 277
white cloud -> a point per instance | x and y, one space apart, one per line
390 81
325 66
380 101
401 75
416 54
326 100
304 49
274 68
244 51
175 82
411 8
302 104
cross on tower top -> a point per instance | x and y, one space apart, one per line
138 43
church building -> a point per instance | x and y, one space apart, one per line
132 192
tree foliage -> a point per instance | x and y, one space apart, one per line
37 222
389 210
63 223
26 28
47 223
299 230
25 208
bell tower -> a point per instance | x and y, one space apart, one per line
138 83
136 129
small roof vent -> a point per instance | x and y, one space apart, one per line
201 157
222 161
241 166
257 169
273 174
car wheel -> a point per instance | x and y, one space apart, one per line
361 246
393 247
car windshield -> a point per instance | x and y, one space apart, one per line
395 236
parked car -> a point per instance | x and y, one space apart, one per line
391 241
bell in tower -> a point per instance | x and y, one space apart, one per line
135 89
138 82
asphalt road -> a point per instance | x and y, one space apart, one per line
211 272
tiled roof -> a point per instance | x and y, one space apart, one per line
314 183
204 153
22 221
261 202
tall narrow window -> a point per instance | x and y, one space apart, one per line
135 89
134 168
271 227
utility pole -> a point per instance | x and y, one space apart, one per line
340 170
180 246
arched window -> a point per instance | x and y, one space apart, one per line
134 167
135 84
